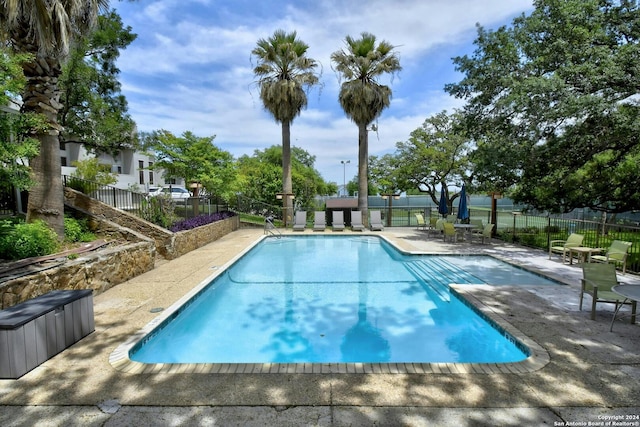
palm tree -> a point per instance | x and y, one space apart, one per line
45 30
284 74
361 96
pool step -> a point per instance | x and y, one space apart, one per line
438 274
440 288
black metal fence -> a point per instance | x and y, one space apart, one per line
8 202
161 210
256 207
532 230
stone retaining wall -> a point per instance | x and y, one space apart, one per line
169 245
163 238
130 255
189 240
135 245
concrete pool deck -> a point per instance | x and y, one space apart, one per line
592 375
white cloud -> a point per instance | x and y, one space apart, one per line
190 67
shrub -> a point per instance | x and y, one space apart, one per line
28 240
529 230
81 185
91 170
200 220
77 230
552 229
158 210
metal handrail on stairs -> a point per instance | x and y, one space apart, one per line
270 228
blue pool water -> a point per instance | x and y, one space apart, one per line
330 299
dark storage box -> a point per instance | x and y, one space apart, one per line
38 329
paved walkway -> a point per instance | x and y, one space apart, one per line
592 375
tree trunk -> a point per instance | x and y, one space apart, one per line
363 172
41 95
287 186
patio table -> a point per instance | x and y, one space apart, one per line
466 228
583 253
630 293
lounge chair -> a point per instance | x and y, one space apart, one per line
319 221
420 222
338 221
562 246
356 221
597 281
478 223
450 232
375 221
479 227
616 254
485 233
432 222
300 221
433 225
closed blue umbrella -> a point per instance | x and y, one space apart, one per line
463 209
442 206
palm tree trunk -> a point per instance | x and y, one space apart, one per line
41 95
363 172
46 197
287 186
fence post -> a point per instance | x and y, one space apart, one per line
113 190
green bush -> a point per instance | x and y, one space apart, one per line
77 230
81 185
552 229
159 210
92 170
27 240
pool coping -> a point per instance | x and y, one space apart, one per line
537 359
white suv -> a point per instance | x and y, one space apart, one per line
175 192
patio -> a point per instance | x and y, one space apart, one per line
592 374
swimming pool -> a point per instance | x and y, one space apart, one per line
360 302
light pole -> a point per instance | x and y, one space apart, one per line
344 176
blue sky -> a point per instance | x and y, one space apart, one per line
190 68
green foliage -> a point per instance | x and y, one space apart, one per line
552 229
364 61
195 159
12 78
383 175
284 73
17 145
7 226
362 98
94 110
46 30
92 170
77 230
22 240
80 185
260 177
436 154
159 210
552 105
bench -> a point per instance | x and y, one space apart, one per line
36 330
